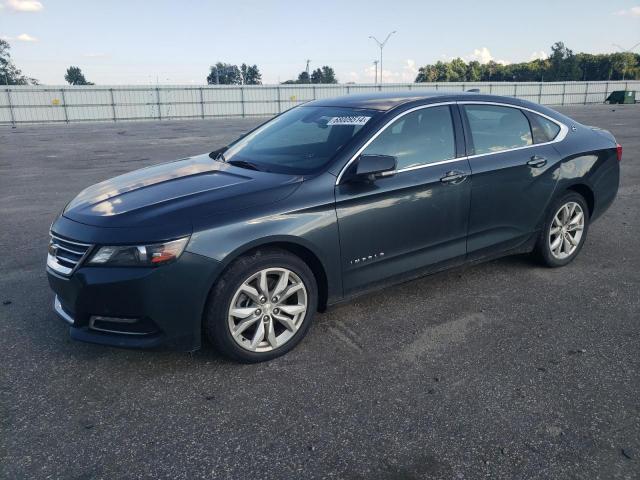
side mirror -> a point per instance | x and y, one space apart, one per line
371 166
216 153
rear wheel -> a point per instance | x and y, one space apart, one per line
565 230
262 306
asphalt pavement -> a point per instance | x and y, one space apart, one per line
503 370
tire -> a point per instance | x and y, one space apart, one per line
573 204
258 339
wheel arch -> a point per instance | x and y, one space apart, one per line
294 246
586 192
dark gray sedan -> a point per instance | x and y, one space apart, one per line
325 201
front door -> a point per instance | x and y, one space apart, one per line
414 219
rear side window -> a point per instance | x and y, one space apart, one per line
495 128
544 130
418 138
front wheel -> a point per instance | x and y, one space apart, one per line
262 306
564 232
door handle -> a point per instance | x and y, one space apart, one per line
537 161
453 177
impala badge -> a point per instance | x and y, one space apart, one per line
368 258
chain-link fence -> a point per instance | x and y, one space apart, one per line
43 104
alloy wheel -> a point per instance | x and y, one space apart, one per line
566 230
267 309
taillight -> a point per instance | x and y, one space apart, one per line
619 151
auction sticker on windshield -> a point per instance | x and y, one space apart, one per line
358 120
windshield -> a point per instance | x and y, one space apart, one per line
300 140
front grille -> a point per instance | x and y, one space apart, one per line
65 254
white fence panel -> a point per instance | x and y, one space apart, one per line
41 104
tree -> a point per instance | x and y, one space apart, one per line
250 75
562 65
474 71
316 76
328 75
224 74
303 77
9 73
325 74
74 76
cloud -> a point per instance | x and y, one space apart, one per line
539 55
483 55
631 12
353 77
95 55
409 71
24 5
23 37
406 75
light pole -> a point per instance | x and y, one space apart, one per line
375 65
625 50
381 45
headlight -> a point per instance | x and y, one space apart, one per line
139 255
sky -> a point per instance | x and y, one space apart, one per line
175 42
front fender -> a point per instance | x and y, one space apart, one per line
310 224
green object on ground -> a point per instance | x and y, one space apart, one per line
622 96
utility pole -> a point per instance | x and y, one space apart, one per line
381 45
625 50
307 70
375 65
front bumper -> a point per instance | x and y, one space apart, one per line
152 307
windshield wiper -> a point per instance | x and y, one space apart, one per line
244 164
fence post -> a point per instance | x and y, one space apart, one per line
436 86
113 104
279 100
13 118
586 91
314 92
564 89
490 88
515 90
201 104
158 102
64 105
348 90
242 101
540 94
606 93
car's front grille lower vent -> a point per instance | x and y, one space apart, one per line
65 255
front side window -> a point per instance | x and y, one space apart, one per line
495 128
299 141
418 138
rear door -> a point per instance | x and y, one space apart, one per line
512 171
415 218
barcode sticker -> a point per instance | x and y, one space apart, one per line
359 120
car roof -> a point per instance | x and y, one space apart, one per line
384 101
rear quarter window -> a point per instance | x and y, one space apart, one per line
544 130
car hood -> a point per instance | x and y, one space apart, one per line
177 192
